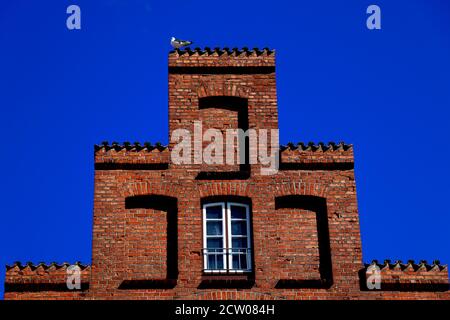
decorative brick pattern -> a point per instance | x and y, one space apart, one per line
222 58
43 281
410 275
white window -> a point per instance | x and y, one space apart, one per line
226 237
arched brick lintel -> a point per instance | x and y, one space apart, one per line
244 189
301 189
223 89
231 188
241 189
147 188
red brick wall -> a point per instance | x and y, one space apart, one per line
43 282
146 242
298 244
220 119
130 244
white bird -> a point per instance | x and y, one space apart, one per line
177 43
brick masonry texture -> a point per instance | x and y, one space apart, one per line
147 230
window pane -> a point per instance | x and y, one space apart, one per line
237 243
239 228
215 261
214 212
214 228
214 243
240 261
238 212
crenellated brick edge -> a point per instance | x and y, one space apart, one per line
42 277
399 276
147 153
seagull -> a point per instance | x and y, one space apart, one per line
177 43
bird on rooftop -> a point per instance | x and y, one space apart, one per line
177 43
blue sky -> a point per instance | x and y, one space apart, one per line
386 91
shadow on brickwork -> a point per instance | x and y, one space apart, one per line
317 205
163 203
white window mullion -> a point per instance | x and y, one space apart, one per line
224 236
229 238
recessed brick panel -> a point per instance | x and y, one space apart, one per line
298 244
159 244
146 243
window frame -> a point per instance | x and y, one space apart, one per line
205 235
227 236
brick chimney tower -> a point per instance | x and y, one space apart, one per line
222 89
